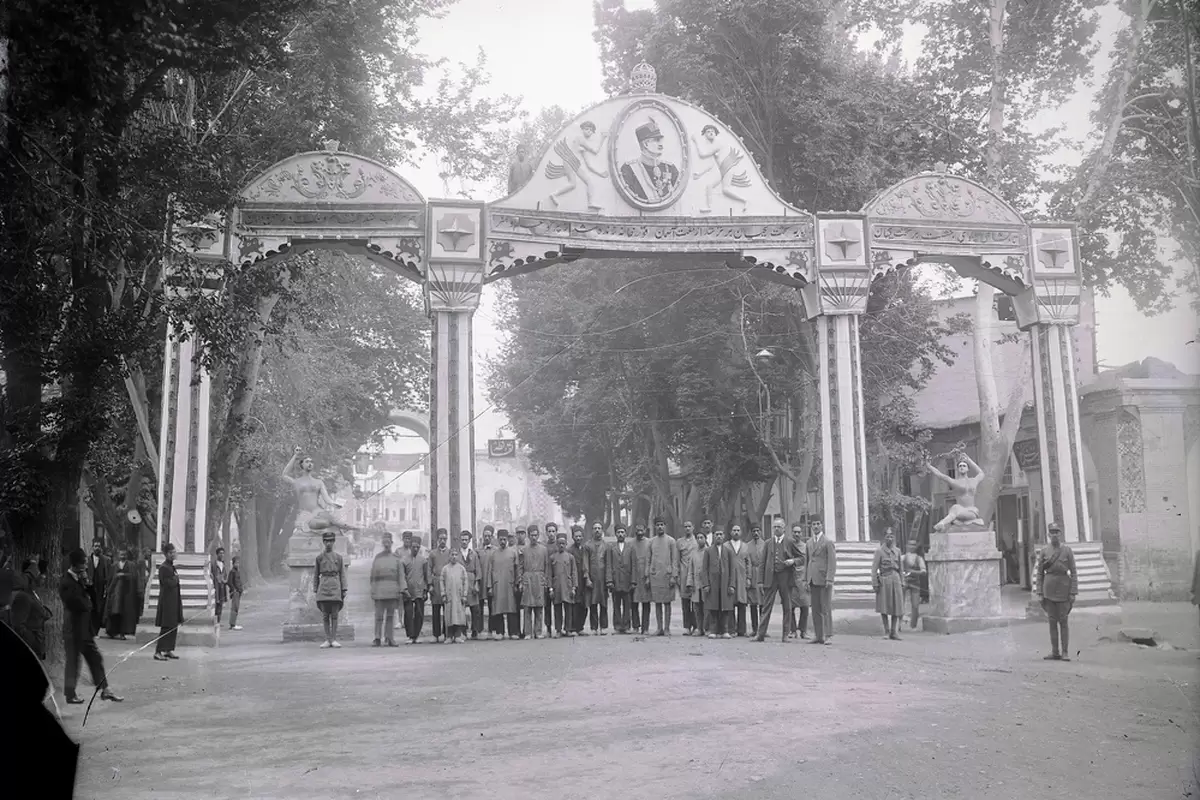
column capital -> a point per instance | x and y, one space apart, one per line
454 272
843 279
1055 278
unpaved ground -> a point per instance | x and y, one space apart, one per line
975 716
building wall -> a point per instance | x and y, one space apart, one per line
1145 428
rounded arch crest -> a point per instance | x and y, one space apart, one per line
940 197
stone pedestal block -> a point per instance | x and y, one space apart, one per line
964 581
303 623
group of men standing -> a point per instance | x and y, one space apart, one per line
526 589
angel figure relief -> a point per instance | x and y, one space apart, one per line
576 154
723 160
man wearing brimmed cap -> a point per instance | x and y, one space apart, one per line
648 177
1057 583
329 587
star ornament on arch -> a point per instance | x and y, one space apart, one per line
456 232
1054 251
842 242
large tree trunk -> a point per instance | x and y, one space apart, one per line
229 450
248 535
998 95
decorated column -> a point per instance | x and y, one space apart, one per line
453 282
184 438
843 283
1048 309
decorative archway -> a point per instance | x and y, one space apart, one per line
647 174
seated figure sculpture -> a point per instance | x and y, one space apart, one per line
315 506
963 486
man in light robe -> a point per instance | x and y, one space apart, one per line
438 559
754 598
619 578
472 562
597 583
500 578
664 575
741 577
687 546
533 576
1058 584
641 580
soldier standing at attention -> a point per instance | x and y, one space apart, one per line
1058 583
329 587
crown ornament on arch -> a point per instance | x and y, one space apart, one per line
643 79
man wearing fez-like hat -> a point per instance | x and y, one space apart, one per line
648 177
663 575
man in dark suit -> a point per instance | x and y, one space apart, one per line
822 568
618 574
778 572
99 570
78 636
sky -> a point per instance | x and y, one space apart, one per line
544 53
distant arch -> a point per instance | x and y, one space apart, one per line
410 421
938 196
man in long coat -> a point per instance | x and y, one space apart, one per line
641 580
486 550
778 573
121 598
470 559
564 582
533 576
438 559
754 598
692 580
716 587
597 583
500 578
99 571
741 576
78 637
800 594
821 570
418 576
618 575
551 546
687 546
664 575
578 609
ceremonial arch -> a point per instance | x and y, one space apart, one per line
645 174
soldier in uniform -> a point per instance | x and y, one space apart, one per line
329 587
1058 583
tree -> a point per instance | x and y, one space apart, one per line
985 70
115 115
1136 192
829 126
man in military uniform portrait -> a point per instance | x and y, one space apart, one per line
648 177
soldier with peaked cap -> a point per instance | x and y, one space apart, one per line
329 587
1057 583
648 177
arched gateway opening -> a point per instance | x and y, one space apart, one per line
649 175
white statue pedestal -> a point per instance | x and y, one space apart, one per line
303 623
964 581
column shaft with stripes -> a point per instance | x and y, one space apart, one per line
843 284
1056 403
453 284
452 429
